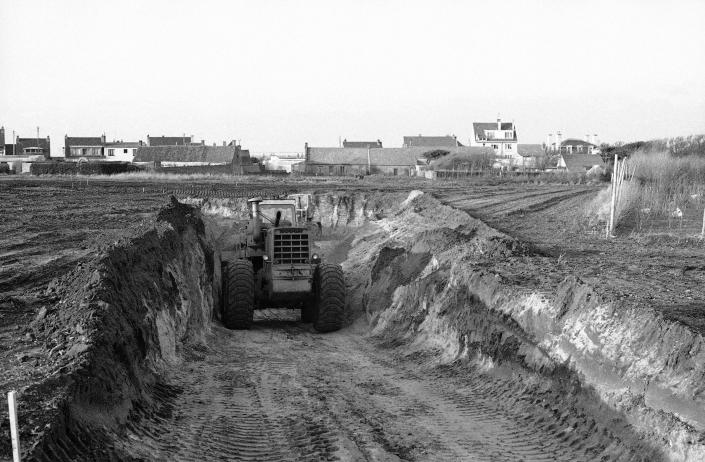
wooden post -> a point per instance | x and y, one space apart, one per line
614 184
14 431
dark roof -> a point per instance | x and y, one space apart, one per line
479 128
198 153
581 162
23 143
168 140
362 144
431 141
83 141
380 156
123 144
575 142
530 150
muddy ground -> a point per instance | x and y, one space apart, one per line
283 392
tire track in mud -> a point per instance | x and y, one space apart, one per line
283 392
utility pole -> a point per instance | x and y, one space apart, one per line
37 139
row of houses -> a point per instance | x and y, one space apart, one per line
492 143
159 151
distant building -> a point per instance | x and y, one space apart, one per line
530 155
579 163
121 151
500 136
196 155
448 141
172 141
556 143
386 161
362 144
84 147
33 146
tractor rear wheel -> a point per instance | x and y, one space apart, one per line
330 298
238 294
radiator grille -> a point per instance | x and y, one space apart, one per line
290 248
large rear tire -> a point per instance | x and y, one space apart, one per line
238 294
330 298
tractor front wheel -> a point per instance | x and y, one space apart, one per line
238 294
329 307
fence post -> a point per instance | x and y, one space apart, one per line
14 432
610 225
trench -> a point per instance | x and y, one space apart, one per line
442 357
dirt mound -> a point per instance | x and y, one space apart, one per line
122 318
436 281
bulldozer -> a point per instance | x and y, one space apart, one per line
272 265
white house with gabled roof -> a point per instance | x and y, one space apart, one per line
500 136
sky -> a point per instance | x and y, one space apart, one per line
276 74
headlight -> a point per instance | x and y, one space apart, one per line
315 258
265 258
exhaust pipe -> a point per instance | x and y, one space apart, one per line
254 212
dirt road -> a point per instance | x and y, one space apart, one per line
283 392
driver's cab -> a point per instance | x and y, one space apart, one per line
277 213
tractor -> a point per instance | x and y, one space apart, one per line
272 265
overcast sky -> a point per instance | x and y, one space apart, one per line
278 73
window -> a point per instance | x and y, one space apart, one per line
495 146
124 151
509 135
111 152
508 146
330 170
396 172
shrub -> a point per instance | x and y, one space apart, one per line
81 168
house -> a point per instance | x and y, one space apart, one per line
500 136
362 144
579 163
83 148
448 141
194 156
20 163
556 143
532 155
33 146
574 145
121 151
171 141
361 161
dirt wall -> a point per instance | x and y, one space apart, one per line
433 281
122 319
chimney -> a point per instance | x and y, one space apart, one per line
2 137
203 142
499 122
548 141
559 140
587 137
102 138
224 143
594 140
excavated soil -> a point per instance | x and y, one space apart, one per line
462 342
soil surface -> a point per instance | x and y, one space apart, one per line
662 272
283 392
